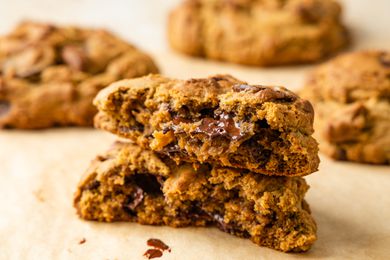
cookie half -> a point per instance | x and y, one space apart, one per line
218 120
351 97
256 32
131 184
50 74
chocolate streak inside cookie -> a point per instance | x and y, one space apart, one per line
151 189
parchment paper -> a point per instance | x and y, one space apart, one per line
39 170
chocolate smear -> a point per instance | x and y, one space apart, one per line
82 241
158 248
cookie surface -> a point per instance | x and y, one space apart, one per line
49 74
218 120
131 184
351 97
256 32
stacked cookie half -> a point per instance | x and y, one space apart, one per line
203 152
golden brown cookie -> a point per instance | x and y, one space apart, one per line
218 120
49 74
258 32
131 184
351 97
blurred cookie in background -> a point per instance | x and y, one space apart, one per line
50 74
256 32
351 97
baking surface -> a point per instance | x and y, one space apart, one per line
39 170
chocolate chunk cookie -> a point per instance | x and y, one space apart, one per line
131 184
257 32
49 75
351 96
218 120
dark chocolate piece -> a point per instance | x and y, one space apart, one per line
136 199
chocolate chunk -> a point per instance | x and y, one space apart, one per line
157 251
177 120
275 94
266 94
29 62
245 87
153 253
220 222
348 125
93 185
147 183
74 56
224 126
341 154
5 107
136 199
157 243
309 13
384 59
305 106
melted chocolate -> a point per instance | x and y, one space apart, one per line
5 107
157 243
153 253
224 126
136 199
147 183
228 228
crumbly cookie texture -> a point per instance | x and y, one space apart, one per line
131 184
351 96
218 120
258 32
49 75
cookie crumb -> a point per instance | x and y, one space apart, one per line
153 253
82 241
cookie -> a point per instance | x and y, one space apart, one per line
218 120
128 183
257 32
351 96
49 75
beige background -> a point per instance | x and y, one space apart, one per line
39 170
